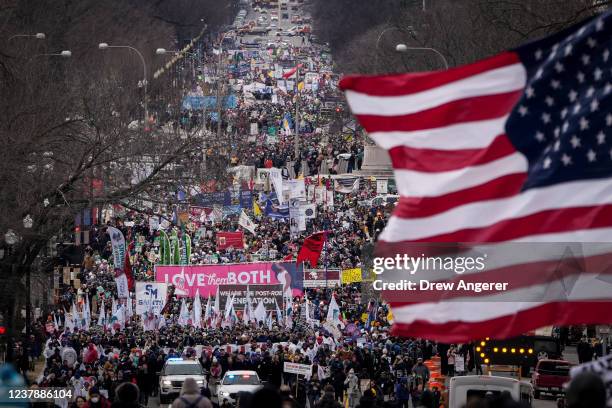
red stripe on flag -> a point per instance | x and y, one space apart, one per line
395 85
543 222
554 313
432 160
502 187
458 111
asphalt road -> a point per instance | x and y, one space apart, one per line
282 24
549 402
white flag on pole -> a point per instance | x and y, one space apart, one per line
245 222
260 312
197 310
86 313
68 320
279 314
216 308
333 312
207 312
184 315
76 316
229 304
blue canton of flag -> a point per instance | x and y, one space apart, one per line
563 123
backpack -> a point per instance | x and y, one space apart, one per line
193 404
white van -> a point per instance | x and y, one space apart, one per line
465 387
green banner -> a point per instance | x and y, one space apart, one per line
164 248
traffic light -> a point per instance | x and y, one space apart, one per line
2 330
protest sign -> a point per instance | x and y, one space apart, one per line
150 296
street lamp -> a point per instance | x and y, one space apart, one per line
104 46
163 51
381 35
10 237
28 222
63 54
404 48
38 36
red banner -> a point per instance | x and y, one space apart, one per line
311 249
230 239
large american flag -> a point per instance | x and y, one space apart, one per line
516 147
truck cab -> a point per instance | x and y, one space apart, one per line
550 376
465 388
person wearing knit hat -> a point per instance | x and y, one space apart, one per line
190 396
96 400
126 396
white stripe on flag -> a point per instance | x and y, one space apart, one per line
468 135
484 213
425 184
496 81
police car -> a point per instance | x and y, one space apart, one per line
174 373
235 382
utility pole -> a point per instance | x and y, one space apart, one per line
219 95
204 130
296 137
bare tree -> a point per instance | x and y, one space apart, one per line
462 31
66 123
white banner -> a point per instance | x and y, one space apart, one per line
297 189
150 296
310 193
319 194
122 286
118 242
459 363
276 180
329 199
263 176
296 368
382 187
309 211
254 128
297 221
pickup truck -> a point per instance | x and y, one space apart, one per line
549 376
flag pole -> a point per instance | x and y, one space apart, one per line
325 260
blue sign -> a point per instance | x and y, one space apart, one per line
208 102
242 199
